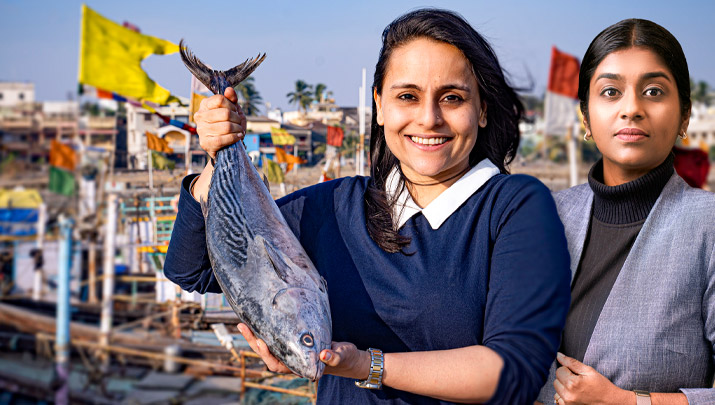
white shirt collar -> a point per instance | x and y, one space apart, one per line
446 203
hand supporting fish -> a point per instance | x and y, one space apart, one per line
265 274
343 359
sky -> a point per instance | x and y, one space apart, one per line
325 41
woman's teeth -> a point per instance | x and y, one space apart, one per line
428 141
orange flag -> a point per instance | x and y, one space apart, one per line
153 142
283 157
62 156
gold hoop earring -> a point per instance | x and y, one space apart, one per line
587 136
683 135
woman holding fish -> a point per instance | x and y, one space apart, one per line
448 278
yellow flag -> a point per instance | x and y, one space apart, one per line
110 58
153 142
195 104
280 136
273 171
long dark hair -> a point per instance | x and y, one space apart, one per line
498 141
629 33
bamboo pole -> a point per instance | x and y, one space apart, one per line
92 271
241 371
38 274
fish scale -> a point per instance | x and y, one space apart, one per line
264 272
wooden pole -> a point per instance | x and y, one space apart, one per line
38 275
175 309
92 270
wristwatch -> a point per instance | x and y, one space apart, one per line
377 364
642 397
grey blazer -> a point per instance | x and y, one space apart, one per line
656 331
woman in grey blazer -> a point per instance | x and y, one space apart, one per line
641 328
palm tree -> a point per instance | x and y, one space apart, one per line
700 92
248 96
319 90
302 95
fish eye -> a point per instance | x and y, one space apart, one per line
307 339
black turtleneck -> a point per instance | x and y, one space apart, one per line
617 217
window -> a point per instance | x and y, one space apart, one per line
0 96
147 117
21 96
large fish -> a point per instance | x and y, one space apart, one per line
263 270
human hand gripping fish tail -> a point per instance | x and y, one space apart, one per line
264 272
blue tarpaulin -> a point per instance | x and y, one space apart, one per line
18 221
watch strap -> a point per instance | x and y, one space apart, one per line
642 397
377 367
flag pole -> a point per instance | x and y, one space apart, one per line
152 217
188 150
573 159
361 146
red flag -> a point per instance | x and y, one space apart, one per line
335 136
104 94
561 93
563 74
692 165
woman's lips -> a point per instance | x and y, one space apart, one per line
631 134
428 142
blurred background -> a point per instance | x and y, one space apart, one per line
96 135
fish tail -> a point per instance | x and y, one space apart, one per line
218 80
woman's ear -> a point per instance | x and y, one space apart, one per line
686 122
378 106
483 115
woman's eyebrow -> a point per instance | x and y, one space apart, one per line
653 75
610 76
454 86
645 76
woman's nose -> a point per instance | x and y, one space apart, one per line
631 106
430 115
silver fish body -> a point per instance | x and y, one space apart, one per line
263 270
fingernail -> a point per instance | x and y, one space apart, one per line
560 355
327 356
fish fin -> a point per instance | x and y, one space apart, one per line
239 73
204 206
276 258
202 72
265 181
208 76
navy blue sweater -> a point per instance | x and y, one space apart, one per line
496 273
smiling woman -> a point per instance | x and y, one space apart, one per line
641 325
447 278
431 99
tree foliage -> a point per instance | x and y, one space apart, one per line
302 95
700 92
248 97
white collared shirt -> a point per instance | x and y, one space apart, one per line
437 211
